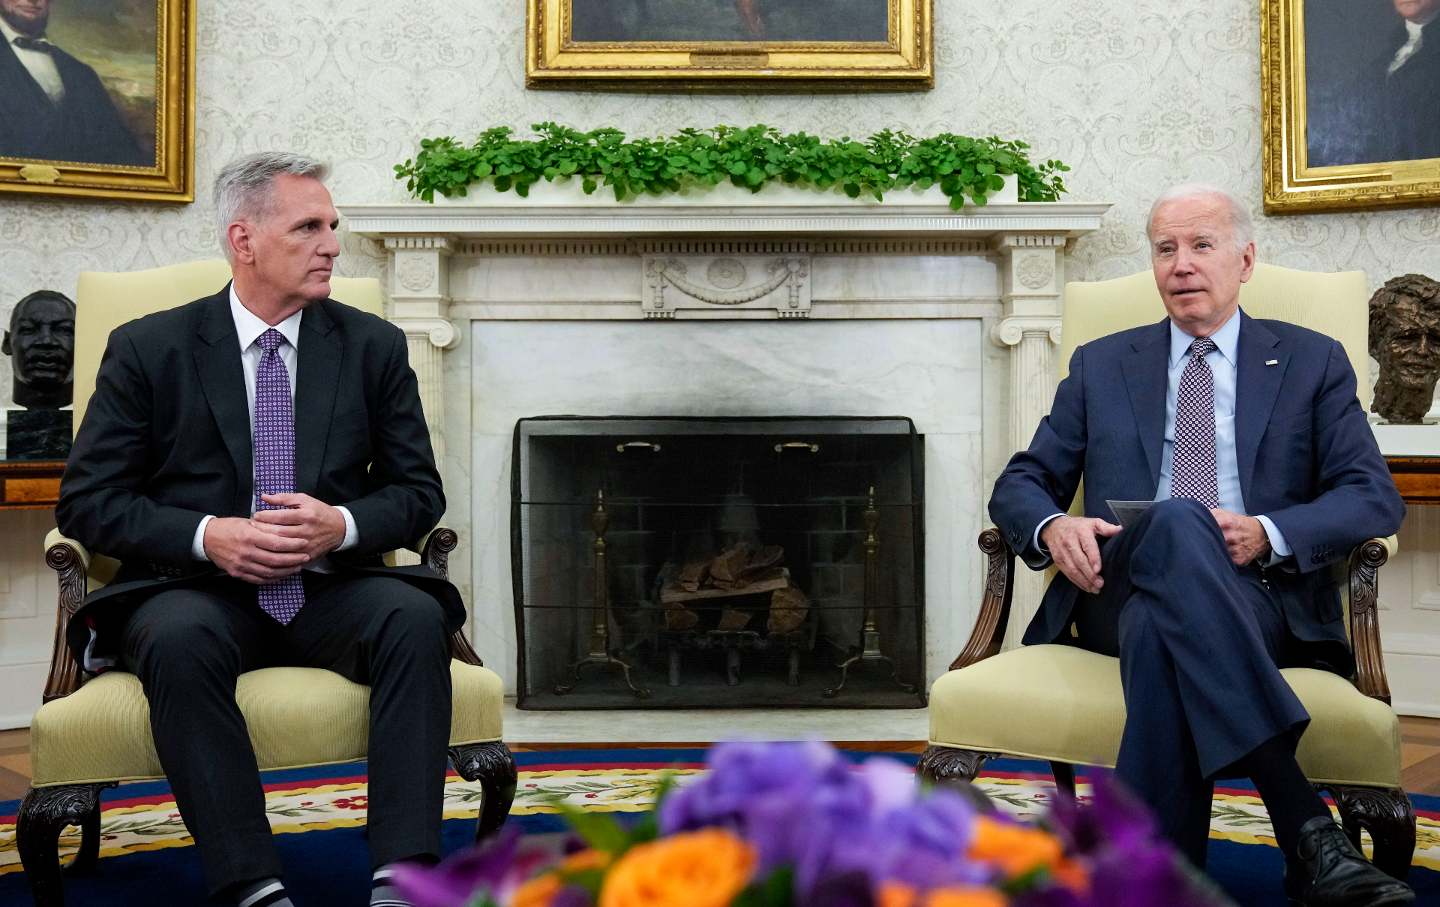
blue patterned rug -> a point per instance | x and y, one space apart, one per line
319 814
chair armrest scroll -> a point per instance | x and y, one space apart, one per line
435 549
69 559
989 632
1365 562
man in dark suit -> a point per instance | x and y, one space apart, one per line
1248 438
248 457
52 106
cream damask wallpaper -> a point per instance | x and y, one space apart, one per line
1133 94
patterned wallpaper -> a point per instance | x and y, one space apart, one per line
1133 94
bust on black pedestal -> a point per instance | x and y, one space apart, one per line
41 345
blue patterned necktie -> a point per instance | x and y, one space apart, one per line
275 461
1192 471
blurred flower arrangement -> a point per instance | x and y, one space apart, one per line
796 825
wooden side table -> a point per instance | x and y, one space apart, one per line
1418 478
30 484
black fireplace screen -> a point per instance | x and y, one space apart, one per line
688 562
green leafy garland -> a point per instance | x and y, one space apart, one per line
964 168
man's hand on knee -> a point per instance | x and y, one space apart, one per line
1072 544
1245 537
301 517
250 553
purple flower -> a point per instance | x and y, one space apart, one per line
1114 817
497 868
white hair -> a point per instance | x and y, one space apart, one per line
1242 227
243 188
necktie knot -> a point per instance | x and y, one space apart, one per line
270 340
1202 347
39 44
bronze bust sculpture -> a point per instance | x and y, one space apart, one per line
1405 340
40 342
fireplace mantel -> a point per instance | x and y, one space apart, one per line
457 271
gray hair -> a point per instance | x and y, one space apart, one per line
1242 227
243 188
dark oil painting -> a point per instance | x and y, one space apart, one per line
771 21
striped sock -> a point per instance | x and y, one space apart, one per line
383 892
262 893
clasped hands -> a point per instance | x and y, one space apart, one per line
274 544
1072 543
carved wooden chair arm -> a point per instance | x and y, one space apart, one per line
435 551
70 561
1365 562
989 631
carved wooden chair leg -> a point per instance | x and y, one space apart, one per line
492 765
1389 817
89 853
956 768
1064 774
44 814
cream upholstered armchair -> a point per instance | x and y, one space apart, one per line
1065 705
92 733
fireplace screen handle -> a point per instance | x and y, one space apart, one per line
797 445
621 448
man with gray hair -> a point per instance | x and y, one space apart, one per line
249 457
1248 439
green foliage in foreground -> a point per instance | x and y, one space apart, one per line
966 169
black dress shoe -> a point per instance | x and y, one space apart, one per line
1327 871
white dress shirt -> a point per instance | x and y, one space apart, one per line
249 327
38 63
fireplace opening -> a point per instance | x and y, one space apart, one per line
718 562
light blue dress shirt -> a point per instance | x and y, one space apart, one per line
1223 361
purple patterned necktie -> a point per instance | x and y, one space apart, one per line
275 461
1192 472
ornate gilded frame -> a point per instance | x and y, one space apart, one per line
1292 185
172 178
904 62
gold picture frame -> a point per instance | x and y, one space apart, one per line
1341 138
730 45
123 126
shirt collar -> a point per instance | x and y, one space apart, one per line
1227 339
249 326
11 34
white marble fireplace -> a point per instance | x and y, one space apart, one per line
761 307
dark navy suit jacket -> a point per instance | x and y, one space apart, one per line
1307 459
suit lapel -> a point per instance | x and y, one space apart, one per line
1258 376
222 378
1146 378
317 378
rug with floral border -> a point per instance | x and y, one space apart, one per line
319 815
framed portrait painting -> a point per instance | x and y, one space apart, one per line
1351 103
730 44
97 98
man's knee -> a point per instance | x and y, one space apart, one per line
180 627
1179 524
408 614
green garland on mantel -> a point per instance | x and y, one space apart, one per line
964 168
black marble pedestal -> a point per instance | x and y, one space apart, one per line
37 434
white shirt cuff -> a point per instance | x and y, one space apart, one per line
352 535
197 546
1279 548
1036 539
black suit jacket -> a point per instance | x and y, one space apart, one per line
166 441
84 127
1307 459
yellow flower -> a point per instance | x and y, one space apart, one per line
704 868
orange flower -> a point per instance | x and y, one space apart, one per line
704 868
538 891
965 897
895 894
1018 849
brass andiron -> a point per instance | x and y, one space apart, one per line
869 650
599 650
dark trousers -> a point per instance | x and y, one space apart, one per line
1200 642
189 645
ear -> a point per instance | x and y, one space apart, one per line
5 344
242 242
1247 255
